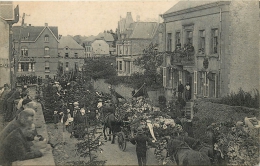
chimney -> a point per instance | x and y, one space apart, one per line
46 24
24 25
30 24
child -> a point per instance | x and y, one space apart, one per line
56 119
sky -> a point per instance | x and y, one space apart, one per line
88 17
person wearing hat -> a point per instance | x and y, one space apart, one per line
23 96
26 103
141 141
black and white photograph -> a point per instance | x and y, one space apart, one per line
92 82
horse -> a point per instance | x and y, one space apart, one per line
114 126
198 146
184 155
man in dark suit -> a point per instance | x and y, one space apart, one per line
24 118
16 147
141 141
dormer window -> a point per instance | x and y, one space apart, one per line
66 48
46 38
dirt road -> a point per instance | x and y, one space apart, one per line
115 156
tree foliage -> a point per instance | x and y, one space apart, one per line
151 62
98 69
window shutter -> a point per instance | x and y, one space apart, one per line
195 82
164 76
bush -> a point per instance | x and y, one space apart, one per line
242 98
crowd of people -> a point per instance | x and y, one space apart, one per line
17 139
28 80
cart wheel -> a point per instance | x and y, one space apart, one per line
121 141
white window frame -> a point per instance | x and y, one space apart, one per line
47 65
46 38
206 85
164 77
195 82
24 51
214 35
180 77
46 51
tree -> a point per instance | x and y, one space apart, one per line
151 61
98 68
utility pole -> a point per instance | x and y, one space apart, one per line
17 57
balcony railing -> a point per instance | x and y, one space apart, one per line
182 58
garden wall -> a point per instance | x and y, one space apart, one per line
221 112
206 113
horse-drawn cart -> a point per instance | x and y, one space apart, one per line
124 135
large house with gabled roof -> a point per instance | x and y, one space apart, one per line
38 50
225 40
71 54
133 38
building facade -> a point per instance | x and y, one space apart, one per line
8 16
100 48
212 45
133 38
38 50
100 45
71 54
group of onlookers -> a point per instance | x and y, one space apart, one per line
17 139
25 79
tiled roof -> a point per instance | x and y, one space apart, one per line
31 32
6 10
143 30
107 36
186 4
68 41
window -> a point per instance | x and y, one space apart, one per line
214 48
46 38
117 65
169 42
47 76
120 65
195 82
66 55
76 66
205 84
67 64
76 55
164 76
66 48
202 41
180 76
189 36
24 51
47 65
177 38
46 51
24 66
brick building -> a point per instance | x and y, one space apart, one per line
225 38
133 38
71 54
38 50
8 16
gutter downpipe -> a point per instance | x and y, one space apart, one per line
220 48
